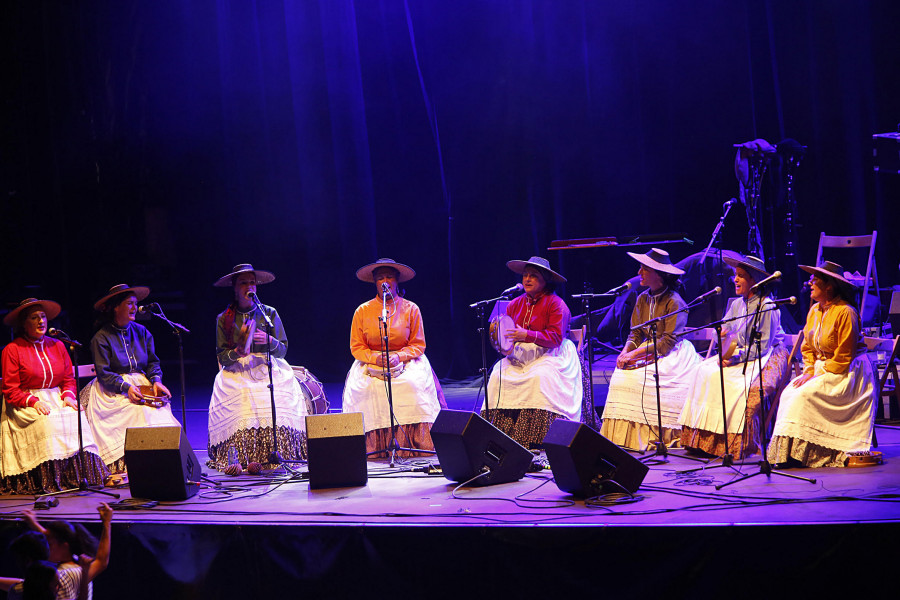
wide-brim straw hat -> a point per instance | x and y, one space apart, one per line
139 291
752 264
518 266
261 276
830 269
367 273
51 308
657 260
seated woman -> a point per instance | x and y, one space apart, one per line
39 423
415 392
240 409
702 417
827 412
540 380
630 418
125 359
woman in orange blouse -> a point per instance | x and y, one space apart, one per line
828 411
414 389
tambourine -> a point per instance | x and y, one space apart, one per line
149 398
378 372
498 330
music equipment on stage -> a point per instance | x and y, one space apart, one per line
865 459
886 152
313 391
498 329
585 464
467 446
161 463
149 398
336 450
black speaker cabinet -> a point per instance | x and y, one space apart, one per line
161 464
466 444
585 463
337 450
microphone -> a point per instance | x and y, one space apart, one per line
147 309
63 336
776 276
780 301
731 202
385 288
619 290
713 292
513 290
806 286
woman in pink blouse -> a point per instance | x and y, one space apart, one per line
415 391
39 422
540 380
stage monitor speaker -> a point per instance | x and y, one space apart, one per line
467 445
585 463
337 450
161 464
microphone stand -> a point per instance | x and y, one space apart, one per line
765 467
727 458
275 456
177 330
586 304
393 446
661 450
482 330
72 346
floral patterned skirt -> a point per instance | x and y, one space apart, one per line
528 426
413 435
56 475
255 445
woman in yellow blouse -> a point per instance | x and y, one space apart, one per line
828 411
414 389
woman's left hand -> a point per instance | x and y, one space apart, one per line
160 390
70 403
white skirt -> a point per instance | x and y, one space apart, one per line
28 438
412 392
110 414
241 398
632 392
703 410
537 377
833 410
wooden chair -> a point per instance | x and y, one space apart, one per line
888 380
854 241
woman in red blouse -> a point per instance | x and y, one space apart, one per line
39 426
540 379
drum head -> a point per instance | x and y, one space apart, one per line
499 327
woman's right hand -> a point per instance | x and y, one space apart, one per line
623 360
134 394
803 378
42 407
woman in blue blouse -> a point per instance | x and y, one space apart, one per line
701 419
124 358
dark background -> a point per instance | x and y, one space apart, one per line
160 143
